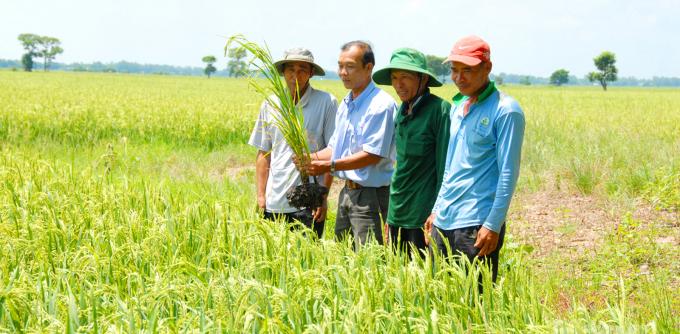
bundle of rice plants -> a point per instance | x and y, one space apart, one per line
287 118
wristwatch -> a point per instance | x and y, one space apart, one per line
332 166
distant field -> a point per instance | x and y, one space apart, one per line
126 204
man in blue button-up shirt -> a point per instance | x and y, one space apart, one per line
482 162
361 150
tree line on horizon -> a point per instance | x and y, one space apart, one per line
605 64
238 67
47 48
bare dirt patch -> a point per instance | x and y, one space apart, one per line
219 174
575 224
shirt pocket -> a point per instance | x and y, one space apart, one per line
355 139
482 133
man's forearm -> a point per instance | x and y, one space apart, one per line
327 180
354 161
357 160
262 172
324 154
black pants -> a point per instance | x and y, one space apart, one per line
303 216
407 240
462 241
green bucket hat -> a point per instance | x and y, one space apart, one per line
408 60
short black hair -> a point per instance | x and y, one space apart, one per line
368 56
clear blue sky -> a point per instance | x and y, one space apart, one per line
528 37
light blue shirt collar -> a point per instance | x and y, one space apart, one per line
353 103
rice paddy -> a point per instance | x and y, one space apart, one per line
127 204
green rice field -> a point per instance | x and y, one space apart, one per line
127 204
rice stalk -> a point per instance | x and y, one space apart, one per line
289 118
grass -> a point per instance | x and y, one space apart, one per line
127 205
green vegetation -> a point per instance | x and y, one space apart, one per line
606 69
209 67
45 47
127 204
237 67
437 66
559 77
288 119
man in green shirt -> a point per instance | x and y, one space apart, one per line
422 135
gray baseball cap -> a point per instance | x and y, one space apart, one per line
299 54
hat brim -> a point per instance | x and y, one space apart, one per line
470 61
384 75
316 68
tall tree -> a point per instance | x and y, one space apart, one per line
237 67
50 47
607 71
30 43
209 68
559 77
439 69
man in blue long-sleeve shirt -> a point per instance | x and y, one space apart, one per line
482 161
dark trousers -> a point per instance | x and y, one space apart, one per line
303 216
407 240
360 214
462 242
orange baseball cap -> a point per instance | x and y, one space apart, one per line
470 50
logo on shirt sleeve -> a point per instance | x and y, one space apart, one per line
484 121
